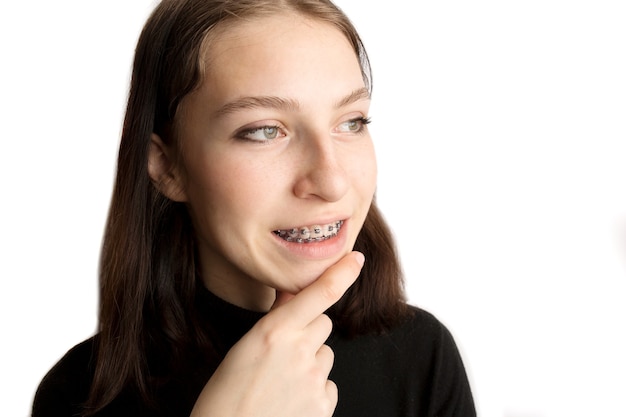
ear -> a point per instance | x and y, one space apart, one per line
163 170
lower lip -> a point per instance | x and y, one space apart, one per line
317 250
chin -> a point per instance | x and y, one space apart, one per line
303 279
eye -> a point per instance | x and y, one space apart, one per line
261 133
356 125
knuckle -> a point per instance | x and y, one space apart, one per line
328 406
328 352
317 375
326 322
270 336
330 292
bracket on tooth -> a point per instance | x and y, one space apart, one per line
306 235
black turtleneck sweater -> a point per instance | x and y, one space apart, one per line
412 370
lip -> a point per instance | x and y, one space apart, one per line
316 250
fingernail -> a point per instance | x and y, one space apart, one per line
360 258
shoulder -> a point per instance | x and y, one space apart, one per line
450 392
419 334
424 334
421 320
66 385
413 368
75 365
419 328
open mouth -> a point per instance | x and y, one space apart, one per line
310 234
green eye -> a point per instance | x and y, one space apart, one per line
270 132
261 133
354 126
349 126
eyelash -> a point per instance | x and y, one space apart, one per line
363 122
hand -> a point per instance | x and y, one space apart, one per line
280 367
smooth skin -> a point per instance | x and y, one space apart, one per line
274 138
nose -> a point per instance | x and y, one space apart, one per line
320 172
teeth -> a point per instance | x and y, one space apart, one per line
308 234
316 232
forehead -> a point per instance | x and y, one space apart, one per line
284 54
263 28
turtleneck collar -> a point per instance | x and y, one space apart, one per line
229 320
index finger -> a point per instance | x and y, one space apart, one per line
312 301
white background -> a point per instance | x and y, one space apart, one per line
501 133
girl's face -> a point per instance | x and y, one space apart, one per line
277 166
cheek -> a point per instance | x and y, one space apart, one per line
256 181
365 169
229 184
208 183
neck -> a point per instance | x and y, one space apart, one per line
247 294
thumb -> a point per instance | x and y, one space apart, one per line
281 298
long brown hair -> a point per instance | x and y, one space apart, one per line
148 267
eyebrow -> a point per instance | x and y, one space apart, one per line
357 95
273 102
247 103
